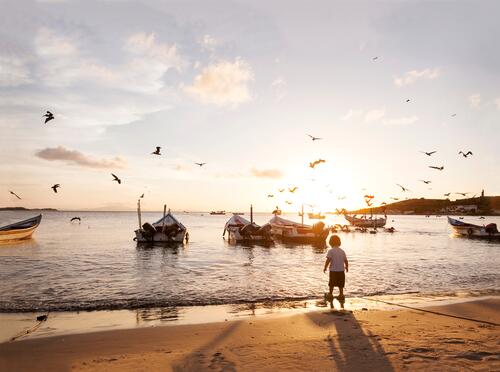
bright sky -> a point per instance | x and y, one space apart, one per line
238 84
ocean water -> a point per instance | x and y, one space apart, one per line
96 265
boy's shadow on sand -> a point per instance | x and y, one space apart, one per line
350 339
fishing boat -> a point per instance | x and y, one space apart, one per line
166 230
366 221
240 230
218 213
469 230
295 232
19 230
315 216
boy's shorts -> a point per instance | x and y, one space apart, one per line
337 279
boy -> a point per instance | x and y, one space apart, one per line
337 259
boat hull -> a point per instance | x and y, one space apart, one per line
468 230
366 222
236 237
298 235
20 230
159 237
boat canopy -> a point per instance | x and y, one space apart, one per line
458 223
25 224
236 220
170 220
276 220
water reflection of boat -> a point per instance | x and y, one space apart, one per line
166 230
295 232
218 213
20 230
240 230
366 221
470 230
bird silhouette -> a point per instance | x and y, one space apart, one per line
270 195
341 198
13 193
368 202
369 196
438 168
288 202
316 162
142 196
200 164
314 138
424 181
48 117
292 190
407 100
157 151
55 187
447 194
404 189
465 155
115 178
281 190
462 193
375 58
395 199
76 219
453 115
428 153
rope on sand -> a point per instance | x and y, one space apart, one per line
433 312
29 330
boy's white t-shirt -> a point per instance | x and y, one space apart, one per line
338 257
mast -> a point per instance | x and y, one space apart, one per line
139 212
302 215
251 213
163 220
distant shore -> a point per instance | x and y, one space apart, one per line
27 209
359 340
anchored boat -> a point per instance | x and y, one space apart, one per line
20 230
366 222
470 230
240 230
295 232
166 230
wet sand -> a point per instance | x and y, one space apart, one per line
375 340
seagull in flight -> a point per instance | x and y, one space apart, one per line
157 151
438 168
424 181
369 196
200 164
281 190
13 193
48 117
76 219
292 190
407 100
453 115
288 202
316 162
375 58
142 196
462 193
55 187
395 199
270 195
404 189
314 138
465 155
447 194
115 178
428 153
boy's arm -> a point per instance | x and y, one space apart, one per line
346 265
327 262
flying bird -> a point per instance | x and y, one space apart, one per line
369 196
453 115
200 164
426 182
157 151
395 199
407 100
55 187
76 219
281 190
142 196
368 202
270 195
316 162
341 198
48 117
292 190
462 193
13 193
314 138
447 194
465 154
404 189
115 178
288 202
428 153
375 58
438 168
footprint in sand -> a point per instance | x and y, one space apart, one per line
477 355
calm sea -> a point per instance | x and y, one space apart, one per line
96 264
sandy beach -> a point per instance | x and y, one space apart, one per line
377 340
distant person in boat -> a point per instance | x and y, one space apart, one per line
336 259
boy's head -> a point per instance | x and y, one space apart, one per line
334 241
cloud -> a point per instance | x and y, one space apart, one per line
279 87
14 72
266 173
224 83
374 115
77 158
209 43
412 76
475 100
401 121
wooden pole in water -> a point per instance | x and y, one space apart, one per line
251 213
139 212
302 217
163 221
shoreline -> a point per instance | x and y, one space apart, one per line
360 340
23 325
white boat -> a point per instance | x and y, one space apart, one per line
366 221
166 230
470 230
240 230
291 231
19 230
